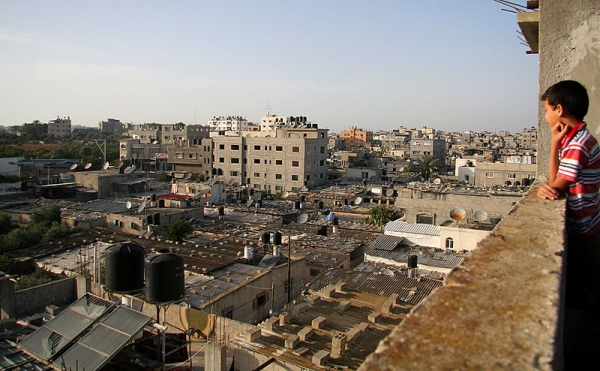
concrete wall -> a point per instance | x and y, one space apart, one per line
568 39
464 238
416 202
35 299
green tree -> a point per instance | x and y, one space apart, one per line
58 231
6 225
429 167
39 277
383 214
177 230
46 215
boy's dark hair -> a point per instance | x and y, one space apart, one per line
571 95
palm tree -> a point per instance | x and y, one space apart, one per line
429 167
383 214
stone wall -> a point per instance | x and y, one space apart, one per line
35 299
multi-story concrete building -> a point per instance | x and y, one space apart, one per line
195 158
60 127
171 134
355 137
284 159
271 122
529 138
490 174
433 147
111 126
145 156
228 123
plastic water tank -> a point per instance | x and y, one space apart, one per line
165 277
277 238
265 238
412 261
248 252
124 267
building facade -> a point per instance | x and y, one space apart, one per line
60 127
228 123
355 137
284 159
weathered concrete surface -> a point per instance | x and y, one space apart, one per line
500 309
569 49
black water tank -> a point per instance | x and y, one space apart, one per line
153 197
336 221
161 203
277 238
322 231
412 261
221 210
149 219
124 267
165 277
156 219
297 205
302 198
320 205
265 238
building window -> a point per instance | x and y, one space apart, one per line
257 160
489 175
257 186
322 149
278 148
257 175
307 163
512 176
260 300
179 155
295 178
278 162
235 160
221 146
278 188
235 147
257 148
233 173
278 176
295 163
449 243
295 149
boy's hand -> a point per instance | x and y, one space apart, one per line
559 131
547 192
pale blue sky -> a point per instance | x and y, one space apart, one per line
452 65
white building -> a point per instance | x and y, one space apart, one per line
228 123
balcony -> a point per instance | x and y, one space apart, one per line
503 308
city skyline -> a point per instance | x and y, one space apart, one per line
380 65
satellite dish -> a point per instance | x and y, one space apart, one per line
142 207
106 165
231 182
389 192
73 166
249 202
457 213
119 165
303 189
480 216
187 176
302 218
437 181
88 165
128 170
128 205
285 194
358 200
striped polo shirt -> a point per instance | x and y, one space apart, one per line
580 165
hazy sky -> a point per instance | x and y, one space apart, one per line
451 65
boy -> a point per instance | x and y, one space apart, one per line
574 170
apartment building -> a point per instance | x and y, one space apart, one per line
272 122
170 134
196 158
355 137
60 127
111 126
420 147
228 123
284 159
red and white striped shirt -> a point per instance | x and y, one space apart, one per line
580 165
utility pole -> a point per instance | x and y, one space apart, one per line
289 280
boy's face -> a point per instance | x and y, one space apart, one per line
552 113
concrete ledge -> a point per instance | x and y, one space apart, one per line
500 309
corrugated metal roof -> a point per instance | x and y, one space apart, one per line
103 342
440 259
387 243
52 338
415 228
